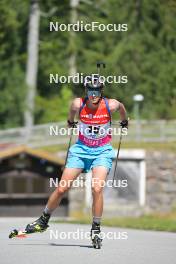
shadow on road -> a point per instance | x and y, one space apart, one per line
70 245
52 244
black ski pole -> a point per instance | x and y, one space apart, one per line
120 140
69 144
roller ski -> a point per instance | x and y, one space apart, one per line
96 236
38 226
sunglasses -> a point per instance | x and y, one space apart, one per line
96 93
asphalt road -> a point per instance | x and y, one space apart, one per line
67 243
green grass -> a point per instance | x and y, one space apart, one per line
155 222
163 146
55 148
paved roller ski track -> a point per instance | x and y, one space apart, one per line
137 247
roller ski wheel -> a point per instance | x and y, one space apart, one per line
96 236
97 242
17 233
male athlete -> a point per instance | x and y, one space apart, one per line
92 151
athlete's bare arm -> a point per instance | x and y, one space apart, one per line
115 105
74 109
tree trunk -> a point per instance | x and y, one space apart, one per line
32 63
138 12
73 19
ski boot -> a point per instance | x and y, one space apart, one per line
96 236
40 225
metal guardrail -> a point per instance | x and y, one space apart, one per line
40 135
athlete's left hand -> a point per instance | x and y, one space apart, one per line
72 124
124 123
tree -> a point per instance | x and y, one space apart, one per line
145 53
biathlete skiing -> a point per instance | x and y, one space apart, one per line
92 151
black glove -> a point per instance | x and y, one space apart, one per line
72 124
124 123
